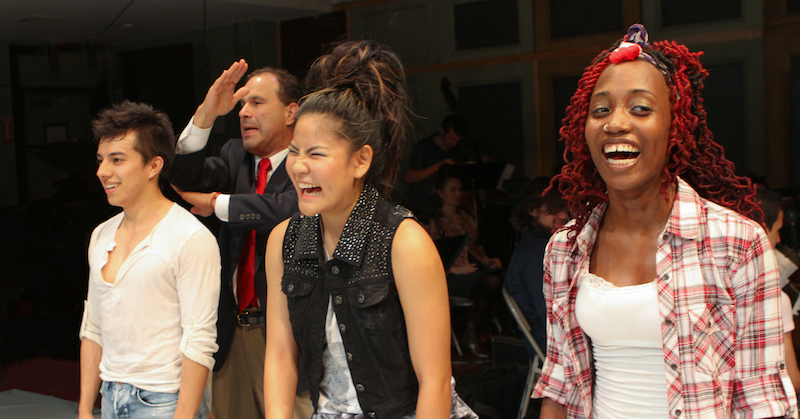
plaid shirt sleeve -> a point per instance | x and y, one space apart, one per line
761 387
559 375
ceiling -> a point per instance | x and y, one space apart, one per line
123 21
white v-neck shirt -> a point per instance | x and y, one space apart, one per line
162 305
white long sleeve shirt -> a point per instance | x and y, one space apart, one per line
162 305
194 139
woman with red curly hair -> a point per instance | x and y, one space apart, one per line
663 297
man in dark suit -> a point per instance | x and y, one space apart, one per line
248 189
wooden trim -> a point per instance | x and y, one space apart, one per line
507 59
631 13
359 4
719 37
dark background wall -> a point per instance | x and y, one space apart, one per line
512 65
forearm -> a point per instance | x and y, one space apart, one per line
416 176
552 410
280 384
193 382
91 354
434 399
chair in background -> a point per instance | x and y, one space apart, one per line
535 365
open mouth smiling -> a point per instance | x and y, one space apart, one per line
309 189
621 154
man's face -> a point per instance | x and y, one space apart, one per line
451 139
547 220
264 119
123 172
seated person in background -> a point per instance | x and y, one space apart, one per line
770 203
536 217
429 156
465 278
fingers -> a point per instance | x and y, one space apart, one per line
241 93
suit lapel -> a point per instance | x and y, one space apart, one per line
245 183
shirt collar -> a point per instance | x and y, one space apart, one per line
684 219
275 160
350 247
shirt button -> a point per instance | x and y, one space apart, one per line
361 298
668 322
674 366
337 300
335 270
678 412
665 237
290 288
359 387
342 328
781 365
349 356
666 277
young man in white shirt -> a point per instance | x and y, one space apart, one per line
149 327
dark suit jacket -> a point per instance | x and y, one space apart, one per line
233 173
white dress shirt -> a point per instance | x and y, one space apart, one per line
194 139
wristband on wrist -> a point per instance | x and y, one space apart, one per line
214 199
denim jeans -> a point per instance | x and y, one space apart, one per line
124 401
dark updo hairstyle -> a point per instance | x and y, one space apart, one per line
362 86
693 154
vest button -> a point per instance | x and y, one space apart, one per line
290 288
342 328
361 298
335 270
371 414
337 300
359 387
349 356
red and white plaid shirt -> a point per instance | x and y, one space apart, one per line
719 301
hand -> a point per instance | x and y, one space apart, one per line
464 269
447 161
492 263
222 96
202 203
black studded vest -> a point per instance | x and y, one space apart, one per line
360 283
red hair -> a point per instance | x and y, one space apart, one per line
694 156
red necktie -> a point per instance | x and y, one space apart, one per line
245 290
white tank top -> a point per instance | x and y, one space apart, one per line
625 328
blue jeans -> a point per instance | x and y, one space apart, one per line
124 401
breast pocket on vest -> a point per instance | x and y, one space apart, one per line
370 305
713 337
298 290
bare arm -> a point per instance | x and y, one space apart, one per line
416 176
422 288
91 353
222 96
193 382
552 410
791 361
280 359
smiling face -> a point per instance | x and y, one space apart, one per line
264 120
327 173
122 171
627 129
